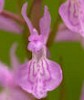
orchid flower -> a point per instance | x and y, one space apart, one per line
7 22
39 75
7 79
72 13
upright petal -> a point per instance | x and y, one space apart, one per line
45 24
39 78
7 24
6 77
24 14
1 5
13 58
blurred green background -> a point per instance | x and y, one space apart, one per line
69 54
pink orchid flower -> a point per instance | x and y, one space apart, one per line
7 79
8 22
39 75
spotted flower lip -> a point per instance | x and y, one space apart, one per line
72 14
11 91
39 75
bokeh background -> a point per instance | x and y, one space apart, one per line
69 54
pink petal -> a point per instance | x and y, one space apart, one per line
10 25
1 5
45 24
24 14
64 34
13 58
68 12
39 78
6 77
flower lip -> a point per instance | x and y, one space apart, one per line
39 75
